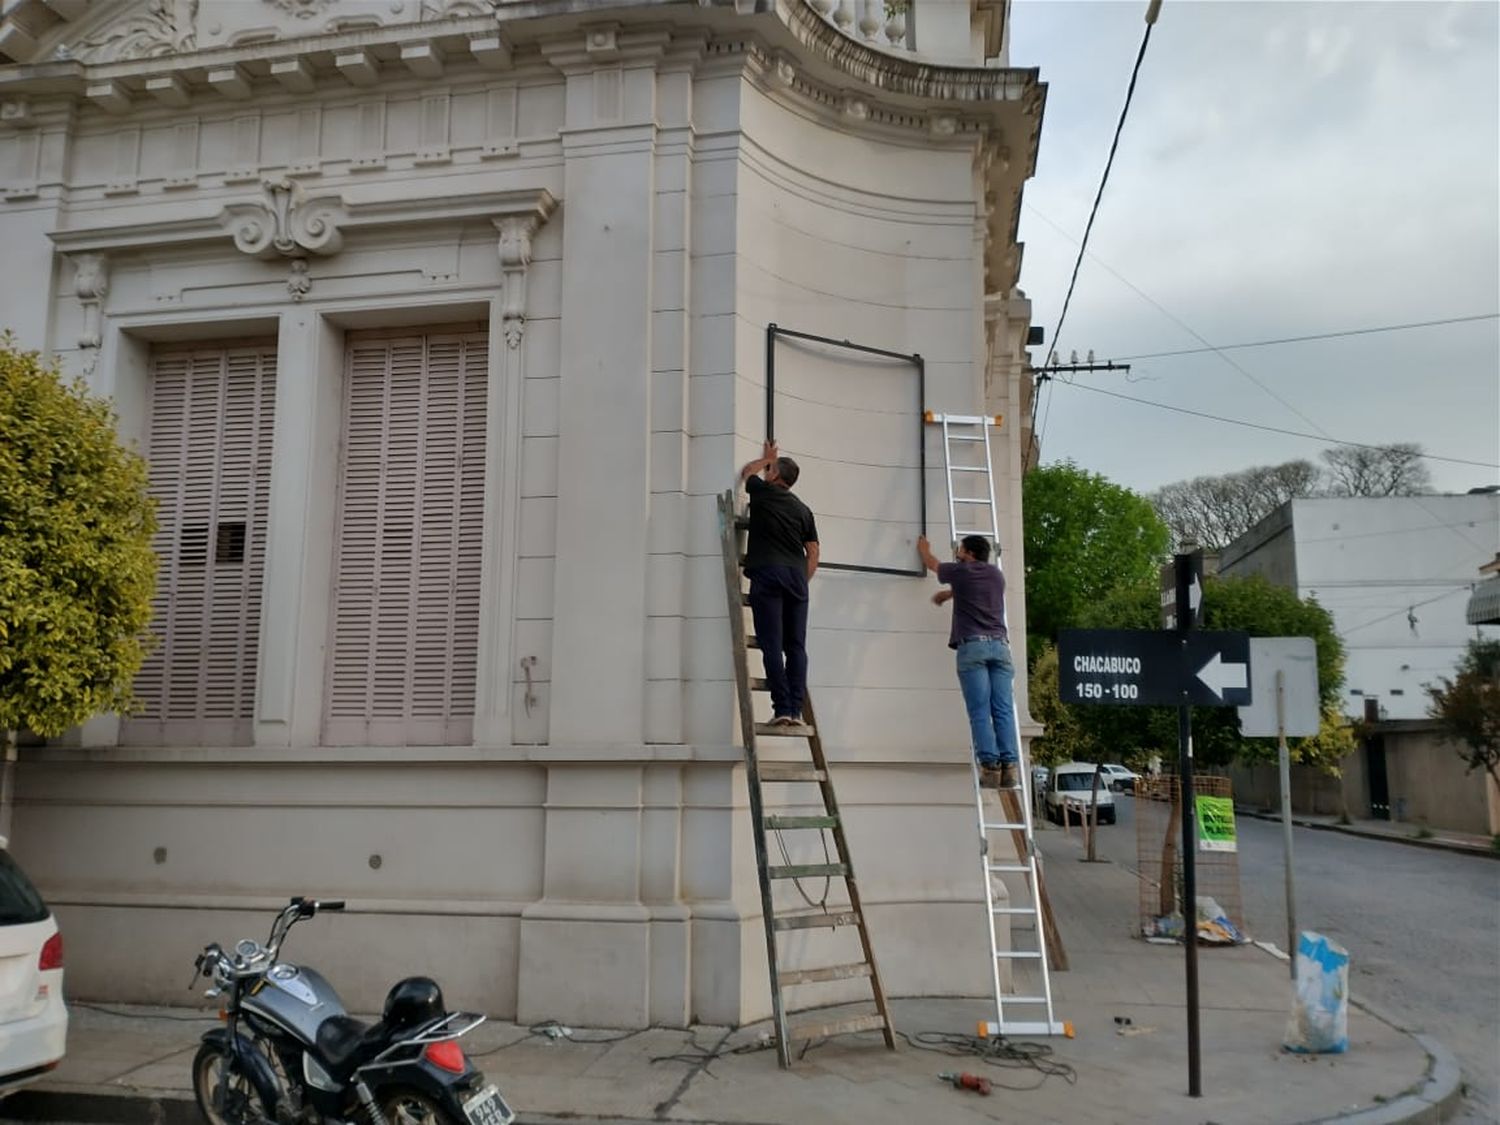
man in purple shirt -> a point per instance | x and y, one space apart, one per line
985 671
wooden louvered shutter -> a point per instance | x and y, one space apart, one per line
410 521
212 412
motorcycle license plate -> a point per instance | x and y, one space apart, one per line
488 1108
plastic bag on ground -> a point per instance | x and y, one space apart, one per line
1320 1009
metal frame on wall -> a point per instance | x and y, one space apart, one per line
915 359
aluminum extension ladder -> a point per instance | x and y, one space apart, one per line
830 821
972 511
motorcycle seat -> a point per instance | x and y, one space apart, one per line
344 1042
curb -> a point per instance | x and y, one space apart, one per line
85 1106
92 1107
1350 830
1428 1104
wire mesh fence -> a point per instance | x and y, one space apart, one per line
1158 833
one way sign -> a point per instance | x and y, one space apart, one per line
1142 668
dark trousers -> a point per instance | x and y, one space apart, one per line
778 604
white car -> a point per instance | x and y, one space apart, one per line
1120 779
33 1018
1073 783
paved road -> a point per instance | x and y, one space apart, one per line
1422 928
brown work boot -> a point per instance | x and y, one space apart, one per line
1010 777
990 778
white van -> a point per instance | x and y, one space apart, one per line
1073 782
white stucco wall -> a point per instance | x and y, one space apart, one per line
1371 561
624 215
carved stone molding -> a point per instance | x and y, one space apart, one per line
515 256
298 282
286 223
91 286
160 27
302 9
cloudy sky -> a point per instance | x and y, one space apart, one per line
1286 169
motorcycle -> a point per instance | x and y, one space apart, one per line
289 1054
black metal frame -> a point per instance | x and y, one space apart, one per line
772 332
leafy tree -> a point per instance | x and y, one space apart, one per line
1064 740
1250 604
76 567
1084 536
1214 511
1387 470
1468 706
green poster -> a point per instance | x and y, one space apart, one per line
1216 824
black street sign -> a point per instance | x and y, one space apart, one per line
1181 606
1142 668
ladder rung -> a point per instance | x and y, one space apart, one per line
965 437
961 532
1023 999
835 1027
832 972
801 822
1004 826
784 730
807 870
1013 868
1012 910
965 419
1038 1028
968 500
816 921
967 469
1019 954
778 771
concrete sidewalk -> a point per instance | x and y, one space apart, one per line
130 1064
1402 832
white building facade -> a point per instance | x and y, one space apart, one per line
441 323
1395 572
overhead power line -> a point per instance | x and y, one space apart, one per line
1315 336
1323 437
1151 13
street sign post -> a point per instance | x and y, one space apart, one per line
1141 668
1291 663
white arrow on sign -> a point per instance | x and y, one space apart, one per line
1195 597
1217 675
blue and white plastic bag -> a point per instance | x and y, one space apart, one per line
1320 1009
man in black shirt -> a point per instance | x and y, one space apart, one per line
782 556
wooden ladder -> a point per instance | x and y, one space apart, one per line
762 822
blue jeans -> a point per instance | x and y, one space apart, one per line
986 676
778 604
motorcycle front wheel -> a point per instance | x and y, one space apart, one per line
411 1107
239 1097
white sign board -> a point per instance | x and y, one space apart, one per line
1296 658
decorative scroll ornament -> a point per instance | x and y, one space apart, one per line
158 27
90 285
286 224
515 256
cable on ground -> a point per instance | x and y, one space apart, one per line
996 1051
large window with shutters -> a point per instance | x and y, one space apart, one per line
408 540
211 412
